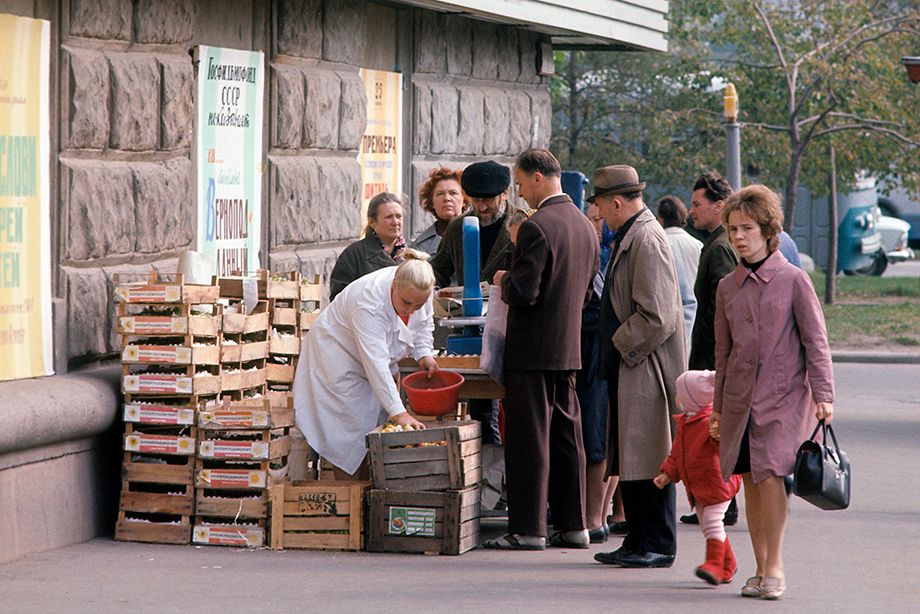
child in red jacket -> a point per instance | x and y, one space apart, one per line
694 458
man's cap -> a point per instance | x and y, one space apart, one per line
485 179
617 179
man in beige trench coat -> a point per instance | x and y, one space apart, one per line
642 353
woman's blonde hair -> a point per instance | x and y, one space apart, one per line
762 205
414 271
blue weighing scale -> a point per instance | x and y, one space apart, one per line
470 340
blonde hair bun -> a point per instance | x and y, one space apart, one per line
414 254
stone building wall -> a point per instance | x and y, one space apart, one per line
125 178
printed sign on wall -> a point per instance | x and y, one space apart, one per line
229 157
25 243
381 148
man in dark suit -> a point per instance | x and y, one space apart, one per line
546 288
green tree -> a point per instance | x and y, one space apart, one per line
804 69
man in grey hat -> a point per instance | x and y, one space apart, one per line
642 353
486 184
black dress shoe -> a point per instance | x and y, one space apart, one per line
598 535
731 514
690 519
612 558
643 558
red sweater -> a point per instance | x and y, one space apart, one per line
694 458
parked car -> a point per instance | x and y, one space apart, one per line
894 247
899 204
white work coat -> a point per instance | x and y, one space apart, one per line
344 385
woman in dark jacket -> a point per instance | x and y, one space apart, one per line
382 245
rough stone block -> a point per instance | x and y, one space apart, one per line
519 105
87 306
135 82
316 260
444 100
422 140
177 101
88 111
295 200
469 135
100 209
300 28
164 21
322 93
541 110
459 35
282 261
287 127
353 111
163 205
485 50
110 19
340 190
509 55
344 32
496 139
529 43
431 45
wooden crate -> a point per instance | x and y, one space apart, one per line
154 382
160 289
311 289
247 415
318 515
231 504
454 463
423 522
157 469
308 319
247 323
250 445
146 411
244 352
280 373
138 352
152 528
288 344
152 498
270 285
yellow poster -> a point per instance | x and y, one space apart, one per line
381 148
25 256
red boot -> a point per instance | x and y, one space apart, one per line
729 566
711 570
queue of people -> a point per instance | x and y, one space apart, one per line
636 357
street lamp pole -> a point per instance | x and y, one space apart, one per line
732 138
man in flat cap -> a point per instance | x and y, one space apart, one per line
486 184
546 288
642 353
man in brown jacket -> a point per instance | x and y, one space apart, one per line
642 353
546 288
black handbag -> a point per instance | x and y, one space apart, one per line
822 472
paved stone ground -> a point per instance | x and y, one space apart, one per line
862 560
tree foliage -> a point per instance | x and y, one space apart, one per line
805 70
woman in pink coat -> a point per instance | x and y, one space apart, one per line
773 374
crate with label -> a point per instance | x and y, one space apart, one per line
243 451
318 515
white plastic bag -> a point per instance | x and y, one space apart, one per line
493 336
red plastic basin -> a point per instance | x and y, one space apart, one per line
434 396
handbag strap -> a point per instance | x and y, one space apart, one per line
825 429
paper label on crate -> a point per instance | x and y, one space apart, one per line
241 418
160 444
150 294
157 354
414 521
234 449
179 384
228 536
152 325
231 478
312 502
158 414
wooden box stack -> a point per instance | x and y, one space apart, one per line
426 489
170 334
244 350
319 515
242 452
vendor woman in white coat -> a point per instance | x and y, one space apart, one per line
345 386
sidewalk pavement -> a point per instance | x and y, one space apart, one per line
875 357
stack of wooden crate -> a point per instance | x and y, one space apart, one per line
244 350
170 335
242 452
426 489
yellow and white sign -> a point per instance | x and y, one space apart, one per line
380 154
25 248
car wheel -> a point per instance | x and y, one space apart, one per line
877 265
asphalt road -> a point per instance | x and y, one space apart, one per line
864 559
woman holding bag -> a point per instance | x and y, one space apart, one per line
773 374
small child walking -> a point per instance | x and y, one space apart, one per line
694 458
